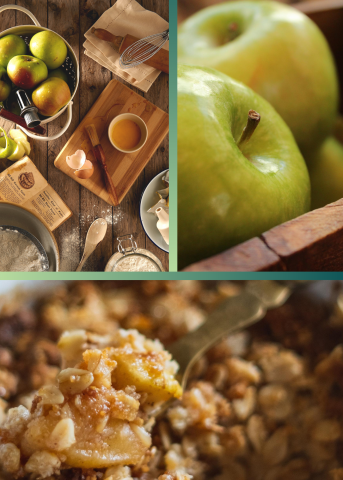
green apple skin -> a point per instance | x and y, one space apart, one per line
59 73
228 194
5 88
11 46
279 53
326 173
49 47
26 71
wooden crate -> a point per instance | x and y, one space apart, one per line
311 242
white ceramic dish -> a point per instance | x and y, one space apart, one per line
149 220
16 216
139 122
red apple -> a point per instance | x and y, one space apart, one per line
26 71
51 96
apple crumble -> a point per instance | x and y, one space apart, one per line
266 403
96 413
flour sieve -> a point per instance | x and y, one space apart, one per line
70 66
31 239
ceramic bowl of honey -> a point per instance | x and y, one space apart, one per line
128 132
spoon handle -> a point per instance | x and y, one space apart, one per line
233 314
83 259
89 249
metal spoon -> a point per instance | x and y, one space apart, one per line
95 235
233 314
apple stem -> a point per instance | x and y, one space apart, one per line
253 120
233 31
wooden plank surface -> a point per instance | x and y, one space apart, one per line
312 242
71 19
124 168
250 256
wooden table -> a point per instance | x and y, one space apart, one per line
71 19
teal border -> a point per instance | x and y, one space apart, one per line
174 276
173 135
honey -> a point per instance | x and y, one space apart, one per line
126 134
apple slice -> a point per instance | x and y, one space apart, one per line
17 134
20 137
26 145
18 153
7 148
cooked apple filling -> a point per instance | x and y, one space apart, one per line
96 415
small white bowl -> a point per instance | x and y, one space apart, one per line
139 122
149 220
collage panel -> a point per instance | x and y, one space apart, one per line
84 146
171 380
224 359
260 157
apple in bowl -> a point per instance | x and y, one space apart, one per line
11 46
5 88
26 71
50 96
49 47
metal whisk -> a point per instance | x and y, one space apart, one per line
140 51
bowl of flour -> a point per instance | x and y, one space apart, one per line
20 251
17 217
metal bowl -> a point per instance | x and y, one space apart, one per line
20 217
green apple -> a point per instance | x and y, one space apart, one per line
26 71
59 73
5 88
49 47
326 173
275 50
11 46
230 190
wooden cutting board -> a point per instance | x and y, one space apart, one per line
124 168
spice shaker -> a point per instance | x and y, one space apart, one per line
132 259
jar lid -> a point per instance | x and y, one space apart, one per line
132 258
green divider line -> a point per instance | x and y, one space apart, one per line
173 134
